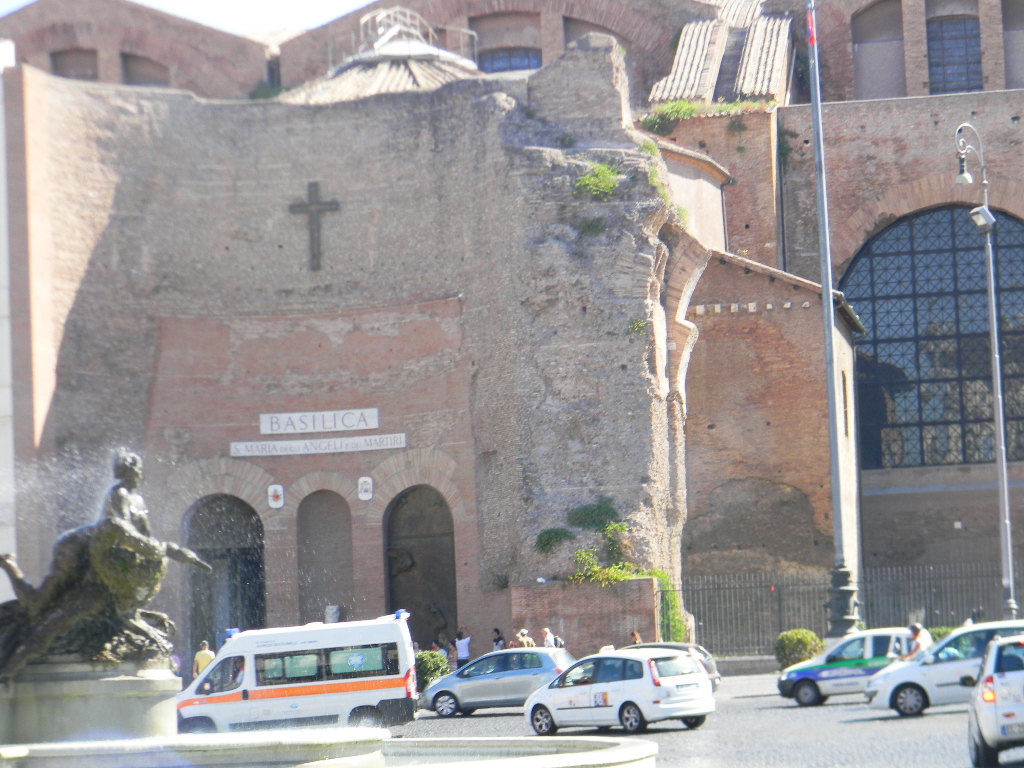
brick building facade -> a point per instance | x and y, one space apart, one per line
519 349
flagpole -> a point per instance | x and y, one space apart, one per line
843 615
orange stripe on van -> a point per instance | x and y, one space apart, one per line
318 689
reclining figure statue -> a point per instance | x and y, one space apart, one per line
102 575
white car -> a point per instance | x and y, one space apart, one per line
933 677
628 687
996 712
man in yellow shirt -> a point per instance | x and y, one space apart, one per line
203 657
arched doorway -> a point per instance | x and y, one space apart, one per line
324 556
227 533
421 563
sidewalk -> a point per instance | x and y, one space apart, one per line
746 665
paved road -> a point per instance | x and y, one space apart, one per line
755 728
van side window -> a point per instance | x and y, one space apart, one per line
362 661
284 668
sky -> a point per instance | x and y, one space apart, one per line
243 17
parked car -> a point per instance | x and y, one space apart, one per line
699 652
995 715
933 677
628 687
499 679
845 668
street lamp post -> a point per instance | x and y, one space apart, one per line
968 141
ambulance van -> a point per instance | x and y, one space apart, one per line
354 673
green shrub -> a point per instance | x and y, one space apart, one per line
795 645
588 569
600 182
596 516
430 665
617 546
550 538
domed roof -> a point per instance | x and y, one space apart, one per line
399 53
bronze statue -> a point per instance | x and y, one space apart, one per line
102 575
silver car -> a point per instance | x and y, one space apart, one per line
996 711
499 679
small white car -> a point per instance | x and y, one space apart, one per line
933 677
628 687
996 711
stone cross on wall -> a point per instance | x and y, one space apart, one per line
314 207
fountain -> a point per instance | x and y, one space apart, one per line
85 675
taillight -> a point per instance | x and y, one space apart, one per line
558 671
410 683
654 672
988 693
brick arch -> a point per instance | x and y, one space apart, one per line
340 483
610 14
231 477
932 191
423 466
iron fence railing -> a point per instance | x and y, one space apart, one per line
742 614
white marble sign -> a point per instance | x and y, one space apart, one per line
318 445
318 421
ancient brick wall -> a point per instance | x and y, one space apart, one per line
206 61
587 616
524 356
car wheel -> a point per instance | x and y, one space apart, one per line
542 721
446 705
631 718
694 722
982 755
909 700
807 694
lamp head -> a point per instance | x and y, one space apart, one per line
964 177
983 218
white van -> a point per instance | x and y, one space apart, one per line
354 672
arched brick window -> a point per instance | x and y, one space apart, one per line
954 46
924 392
879 71
77 63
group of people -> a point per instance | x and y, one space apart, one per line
458 649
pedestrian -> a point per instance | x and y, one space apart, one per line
461 649
525 640
920 639
452 658
497 640
547 638
202 658
634 638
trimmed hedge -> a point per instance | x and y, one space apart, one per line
796 645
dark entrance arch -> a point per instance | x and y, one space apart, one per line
228 534
420 552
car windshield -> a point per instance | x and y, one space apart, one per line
670 666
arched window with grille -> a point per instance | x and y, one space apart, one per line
924 393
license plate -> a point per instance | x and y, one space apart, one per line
685 687
1013 730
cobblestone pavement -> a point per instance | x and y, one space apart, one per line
756 728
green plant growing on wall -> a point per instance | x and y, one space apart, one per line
783 148
638 326
654 178
594 517
589 569
590 227
648 147
600 181
665 117
684 217
617 546
550 538
673 626
736 124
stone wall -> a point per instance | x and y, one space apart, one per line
169 302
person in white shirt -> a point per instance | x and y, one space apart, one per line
920 639
461 649
549 638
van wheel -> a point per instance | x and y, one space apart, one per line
807 694
632 719
446 705
366 717
196 725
